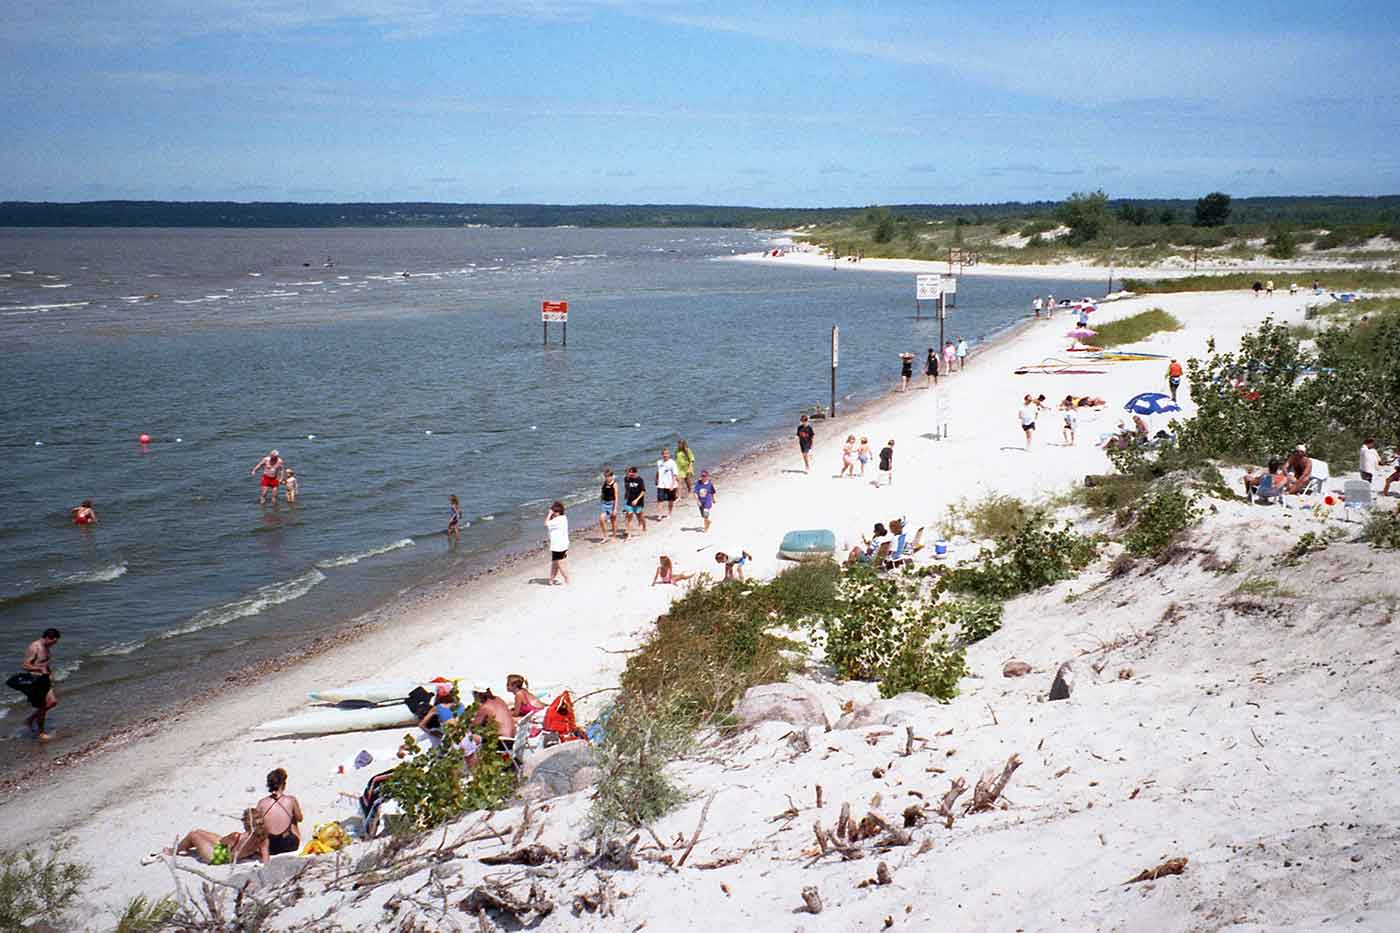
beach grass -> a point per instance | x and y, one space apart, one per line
1138 327
1331 280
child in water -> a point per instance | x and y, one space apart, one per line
289 485
665 573
454 519
84 514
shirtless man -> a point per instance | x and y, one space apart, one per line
40 689
272 467
492 707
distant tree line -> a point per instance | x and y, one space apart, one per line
1092 211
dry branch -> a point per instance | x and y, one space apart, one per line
989 787
811 900
1172 866
704 812
957 787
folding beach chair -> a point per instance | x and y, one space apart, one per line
1321 473
1266 493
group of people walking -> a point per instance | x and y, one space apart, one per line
952 358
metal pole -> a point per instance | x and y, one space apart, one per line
546 333
566 332
940 323
916 309
835 337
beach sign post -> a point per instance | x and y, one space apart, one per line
835 360
927 287
555 311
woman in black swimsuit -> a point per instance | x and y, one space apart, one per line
281 813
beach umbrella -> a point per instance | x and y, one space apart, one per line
1151 403
1081 333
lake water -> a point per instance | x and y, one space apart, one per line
385 393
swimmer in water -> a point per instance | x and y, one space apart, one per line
83 514
272 467
289 483
454 518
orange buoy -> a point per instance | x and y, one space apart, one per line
145 438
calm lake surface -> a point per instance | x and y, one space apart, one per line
385 393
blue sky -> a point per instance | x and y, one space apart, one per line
774 104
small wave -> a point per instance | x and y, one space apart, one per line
35 309
100 575
264 597
255 274
119 650
59 285
287 284
60 582
348 559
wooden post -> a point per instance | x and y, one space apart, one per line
941 315
566 332
546 333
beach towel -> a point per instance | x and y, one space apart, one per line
559 719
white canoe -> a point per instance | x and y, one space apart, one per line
323 720
370 691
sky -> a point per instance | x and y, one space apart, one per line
794 104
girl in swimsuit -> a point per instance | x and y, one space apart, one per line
213 849
525 701
848 452
281 814
84 515
665 573
454 518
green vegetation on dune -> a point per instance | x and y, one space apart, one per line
1138 327
1331 280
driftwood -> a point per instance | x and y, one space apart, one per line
913 816
1172 866
811 901
704 812
492 896
990 785
956 789
908 741
843 822
616 855
600 902
819 796
530 855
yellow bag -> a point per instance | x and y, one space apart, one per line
327 837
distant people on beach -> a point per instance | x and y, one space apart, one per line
863 455
556 523
1258 287
290 486
733 562
950 356
607 505
666 482
848 457
685 466
666 573
962 353
1370 460
454 517
1049 306
930 368
271 467
634 501
1071 421
705 497
805 436
84 514
1174 377
281 817
525 701
35 681
1028 414
906 370
886 464
1269 287
1035 307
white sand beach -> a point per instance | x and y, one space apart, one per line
1162 734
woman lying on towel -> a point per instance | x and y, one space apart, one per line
1072 402
213 849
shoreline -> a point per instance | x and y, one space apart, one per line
195 767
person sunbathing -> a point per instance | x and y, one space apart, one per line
865 555
525 701
213 849
665 573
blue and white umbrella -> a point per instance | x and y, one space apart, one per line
1151 403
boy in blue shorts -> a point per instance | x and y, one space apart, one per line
705 497
634 500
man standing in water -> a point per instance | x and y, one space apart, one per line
272 467
36 682
805 434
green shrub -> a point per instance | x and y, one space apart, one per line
924 663
143 915
1137 327
633 788
1109 494
1382 530
1037 555
431 787
1160 519
1308 543
34 885
996 517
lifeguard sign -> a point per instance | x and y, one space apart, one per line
555 311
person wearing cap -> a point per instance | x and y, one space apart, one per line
1300 466
705 496
489 706
272 467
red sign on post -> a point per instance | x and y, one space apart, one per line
554 311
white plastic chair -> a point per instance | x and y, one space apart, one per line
1321 473
1358 495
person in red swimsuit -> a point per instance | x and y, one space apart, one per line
84 514
272 467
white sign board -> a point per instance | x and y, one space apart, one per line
928 287
835 346
950 285
554 317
